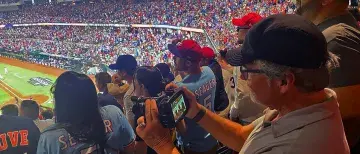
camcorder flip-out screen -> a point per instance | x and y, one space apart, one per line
179 106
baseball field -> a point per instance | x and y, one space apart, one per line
23 80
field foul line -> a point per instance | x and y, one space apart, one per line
1 83
17 75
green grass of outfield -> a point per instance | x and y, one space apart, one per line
4 96
18 79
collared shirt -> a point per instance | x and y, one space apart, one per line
316 129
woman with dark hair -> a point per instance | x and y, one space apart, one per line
148 82
80 125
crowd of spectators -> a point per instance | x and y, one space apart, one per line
101 45
289 64
8 1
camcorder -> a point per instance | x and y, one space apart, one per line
172 106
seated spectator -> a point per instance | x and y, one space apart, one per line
19 135
10 110
47 114
102 79
126 66
80 124
30 109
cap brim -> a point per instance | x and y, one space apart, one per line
114 67
234 57
174 50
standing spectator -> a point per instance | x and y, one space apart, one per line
80 124
30 109
201 81
221 97
102 79
342 34
147 83
286 64
10 110
118 89
126 66
243 110
18 135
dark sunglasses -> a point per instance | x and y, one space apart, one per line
245 72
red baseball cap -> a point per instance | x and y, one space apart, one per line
187 49
208 52
247 21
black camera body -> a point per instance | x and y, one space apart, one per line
172 107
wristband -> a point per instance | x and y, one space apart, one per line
200 114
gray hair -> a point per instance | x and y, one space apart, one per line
307 80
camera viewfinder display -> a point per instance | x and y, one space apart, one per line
178 107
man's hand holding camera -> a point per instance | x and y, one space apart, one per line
152 131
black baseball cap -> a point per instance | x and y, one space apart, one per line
124 62
283 39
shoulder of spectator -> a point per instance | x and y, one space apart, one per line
340 31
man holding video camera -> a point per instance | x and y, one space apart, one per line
285 63
201 81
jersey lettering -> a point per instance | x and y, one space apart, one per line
206 87
62 141
3 144
24 137
108 126
72 141
232 82
14 139
207 102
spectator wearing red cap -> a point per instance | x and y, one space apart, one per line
241 109
200 80
244 24
221 98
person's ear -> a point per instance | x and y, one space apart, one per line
286 82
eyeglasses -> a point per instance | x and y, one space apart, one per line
245 72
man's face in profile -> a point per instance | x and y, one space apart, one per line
241 35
